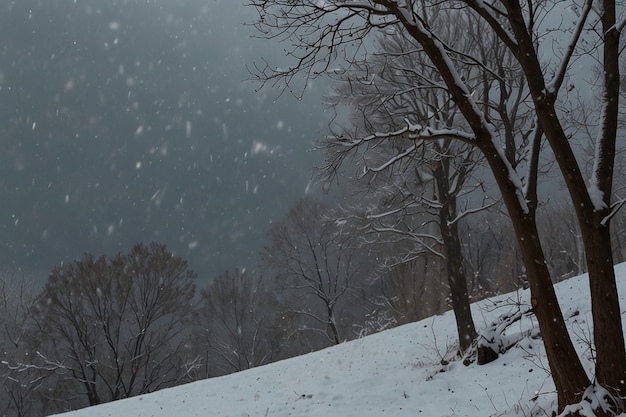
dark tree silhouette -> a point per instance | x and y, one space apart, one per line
238 322
116 327
314 262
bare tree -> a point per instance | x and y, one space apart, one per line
314 261
394 84
18 385
238 323
115 328
328 32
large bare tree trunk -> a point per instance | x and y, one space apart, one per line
608 337
608 333
458 287
591 213
457 280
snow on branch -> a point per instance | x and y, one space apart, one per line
392 160
596 195
595 398
397 210
471 211
420 238
615 208
410 131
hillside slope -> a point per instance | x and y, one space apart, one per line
397 373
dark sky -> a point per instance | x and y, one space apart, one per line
129 121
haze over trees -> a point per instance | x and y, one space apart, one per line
101 330
239 324
433 180
315 261
115 327
128 122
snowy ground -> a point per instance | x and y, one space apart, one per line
396 373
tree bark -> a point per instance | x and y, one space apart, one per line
332 324
608 333
567 371
605 308
458 288
595 230
607 322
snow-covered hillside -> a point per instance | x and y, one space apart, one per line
396 373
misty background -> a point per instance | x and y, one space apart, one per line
132 121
